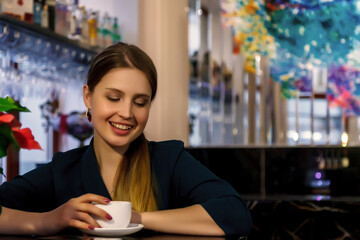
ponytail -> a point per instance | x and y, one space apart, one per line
135 182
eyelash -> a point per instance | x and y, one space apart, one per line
140 104
112 99
116 99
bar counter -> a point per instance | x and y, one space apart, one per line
293 192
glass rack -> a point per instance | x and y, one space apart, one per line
34 56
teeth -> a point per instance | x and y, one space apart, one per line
120 126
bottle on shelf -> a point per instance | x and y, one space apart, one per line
59 17
78 17
116 36
75 21
72 26
45 17
67 18
104 31
37 10
100 32
92 29
107 30
84 26
62 17
51 13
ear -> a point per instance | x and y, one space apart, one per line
87 96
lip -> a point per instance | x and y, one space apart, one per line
120 131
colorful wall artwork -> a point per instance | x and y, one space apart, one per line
299 35
247 19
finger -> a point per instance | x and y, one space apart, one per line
90 197
93 210
81 225
87 218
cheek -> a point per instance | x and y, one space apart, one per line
142 116
102 111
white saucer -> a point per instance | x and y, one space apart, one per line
115 232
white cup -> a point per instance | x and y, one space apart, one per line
120 211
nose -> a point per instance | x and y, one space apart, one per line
125 110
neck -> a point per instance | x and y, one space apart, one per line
109 160
107 155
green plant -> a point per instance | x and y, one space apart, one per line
11 131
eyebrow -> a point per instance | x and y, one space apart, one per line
136 95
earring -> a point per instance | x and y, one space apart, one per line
88 114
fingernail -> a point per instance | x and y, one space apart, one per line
108 216
91 227
107 200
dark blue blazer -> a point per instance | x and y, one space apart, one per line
182 181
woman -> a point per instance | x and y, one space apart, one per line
169 190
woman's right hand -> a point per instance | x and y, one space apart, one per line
75 213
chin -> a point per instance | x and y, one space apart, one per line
120 144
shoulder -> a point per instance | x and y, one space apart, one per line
167 145
165 154
168 149
69 157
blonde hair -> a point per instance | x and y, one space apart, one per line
135 182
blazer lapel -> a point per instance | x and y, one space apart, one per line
91 177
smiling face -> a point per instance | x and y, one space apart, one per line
120 105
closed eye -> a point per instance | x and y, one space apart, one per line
140 104
113 99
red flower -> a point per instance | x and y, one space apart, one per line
23 137
10 120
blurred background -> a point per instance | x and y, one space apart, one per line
231 72
263 92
